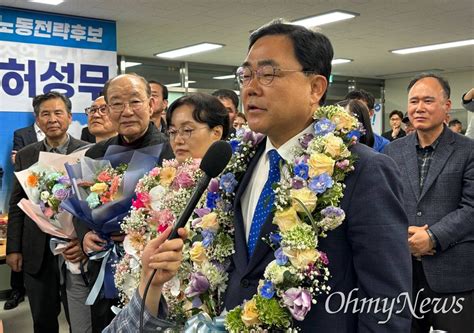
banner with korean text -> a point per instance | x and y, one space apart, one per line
42 52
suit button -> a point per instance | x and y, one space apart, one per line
419 213
244 283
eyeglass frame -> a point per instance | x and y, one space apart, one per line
183 132
93 109
258 73
129 103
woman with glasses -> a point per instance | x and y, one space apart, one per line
194 123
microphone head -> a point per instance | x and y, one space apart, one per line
216 158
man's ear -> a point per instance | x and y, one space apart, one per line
319 85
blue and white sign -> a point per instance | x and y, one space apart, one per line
42 52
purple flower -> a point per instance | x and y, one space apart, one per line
62 194
228 182
297 183
213 185
202 211
324 126
342 164
298 301
332 212
324 258
304 141
267 291
196 302
207 238
252 137
234 144
320 183
275 238
64 180
198 284
301 170
281 258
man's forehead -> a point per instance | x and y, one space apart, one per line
52 104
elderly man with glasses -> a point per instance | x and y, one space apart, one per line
129 106
98 120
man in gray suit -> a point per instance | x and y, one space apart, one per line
439 200
27 246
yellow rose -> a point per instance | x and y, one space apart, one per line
167 176
306 196
249 314
334 145
320 163
286 219
343 120
301 258
99 188
198 253
209 221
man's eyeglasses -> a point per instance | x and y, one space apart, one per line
265 74
102 110
119 107
184 132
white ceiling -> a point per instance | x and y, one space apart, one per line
146 27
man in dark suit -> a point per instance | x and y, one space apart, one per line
283 81
130 106
438 165
27 246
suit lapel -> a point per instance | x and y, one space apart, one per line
440 157
411 161
241 256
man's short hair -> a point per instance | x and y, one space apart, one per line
164 89
313 50
40 99
397 112
442 81
362 95
141 78
454 122
229 94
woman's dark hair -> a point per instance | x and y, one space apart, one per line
207 109
361 112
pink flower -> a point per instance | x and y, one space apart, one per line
48 212
114 186
144 197
104 177
162 219
137 204
183 180
154 172
298 301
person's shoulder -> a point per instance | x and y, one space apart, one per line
396 145
99 149
32 147
78 143
23 130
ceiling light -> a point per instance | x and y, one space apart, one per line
340 61
202 47
178 84
48 2
224 77
131 64
321 19
434 47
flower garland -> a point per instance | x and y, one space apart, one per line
306 207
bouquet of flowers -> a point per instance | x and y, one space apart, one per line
47 186
162 195
306 208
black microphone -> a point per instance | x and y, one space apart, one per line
212 164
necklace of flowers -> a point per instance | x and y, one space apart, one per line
306 206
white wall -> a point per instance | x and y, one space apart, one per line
396 92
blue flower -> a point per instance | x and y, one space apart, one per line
324 126
320 183
228 182
301 170
207 238
281 258
211 200
353 133
332 211
267 291
235 145
93 200
275 238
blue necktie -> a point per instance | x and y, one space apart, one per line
265 201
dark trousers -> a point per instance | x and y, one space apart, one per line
462 322
17 282
45 295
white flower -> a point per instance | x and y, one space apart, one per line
156 197
44 195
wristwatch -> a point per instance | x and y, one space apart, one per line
432 238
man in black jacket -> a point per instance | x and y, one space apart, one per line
130 106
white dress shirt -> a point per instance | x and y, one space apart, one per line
259 177
39 133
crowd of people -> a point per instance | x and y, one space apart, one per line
408 202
